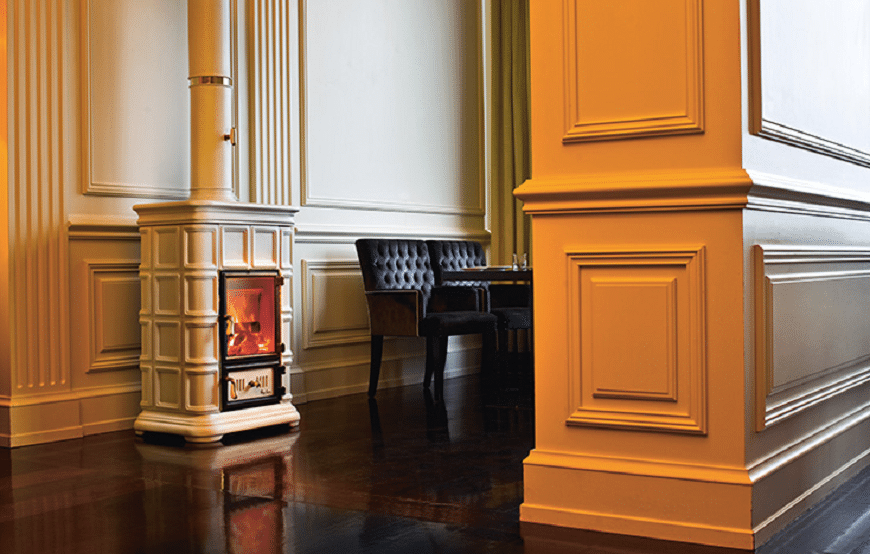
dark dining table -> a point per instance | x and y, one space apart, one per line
489 273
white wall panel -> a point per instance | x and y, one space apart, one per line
811 339
137 107
808 96
391 105
806 89
326 321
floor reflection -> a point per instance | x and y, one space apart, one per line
398 474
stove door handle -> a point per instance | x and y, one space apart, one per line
229 325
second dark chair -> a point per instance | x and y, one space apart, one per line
510 303
403 301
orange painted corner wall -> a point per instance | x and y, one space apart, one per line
634 87
637 197
640 257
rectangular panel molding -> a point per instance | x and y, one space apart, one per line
135 140
642 76
326 323
788 103
429 131
113 319
811 337
637 339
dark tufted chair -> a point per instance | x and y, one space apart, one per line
404 301
510 303
454 255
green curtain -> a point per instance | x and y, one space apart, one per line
511 125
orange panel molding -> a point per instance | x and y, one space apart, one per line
633 68
637 339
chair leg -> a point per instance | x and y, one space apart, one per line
431 346
503 340
436 357
375 370
488 357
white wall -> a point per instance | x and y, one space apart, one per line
392 145
806 145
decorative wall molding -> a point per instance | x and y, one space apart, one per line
325 323
143 127
48 417
272 68
654 300
810 306
102 227
75 395
41 169
639 103
770 84
632 192
820 461
775 193
310 197
637 338
792 136
113 315
340 234
809 444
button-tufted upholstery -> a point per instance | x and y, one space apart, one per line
454 255
403 300
391 264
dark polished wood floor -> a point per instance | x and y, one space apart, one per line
401 475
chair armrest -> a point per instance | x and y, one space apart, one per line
395 312
454 299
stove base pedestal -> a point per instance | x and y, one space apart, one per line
205 428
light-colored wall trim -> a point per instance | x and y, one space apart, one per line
309 197
59 416
767 125
330 379
316 333
103 356
814 466
103 227
339 234
40 172
801 365
776 193
109 188
273 56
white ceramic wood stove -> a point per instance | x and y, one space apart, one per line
215 275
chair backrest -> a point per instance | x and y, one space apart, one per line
389 264
453 255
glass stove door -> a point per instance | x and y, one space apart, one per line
250 316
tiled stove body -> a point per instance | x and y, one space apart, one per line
185 247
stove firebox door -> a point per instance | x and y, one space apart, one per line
250 315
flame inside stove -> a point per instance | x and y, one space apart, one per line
251 317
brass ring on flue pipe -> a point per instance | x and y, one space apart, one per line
209 24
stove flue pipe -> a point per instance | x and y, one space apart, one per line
212 136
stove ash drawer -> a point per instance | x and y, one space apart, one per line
252 387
